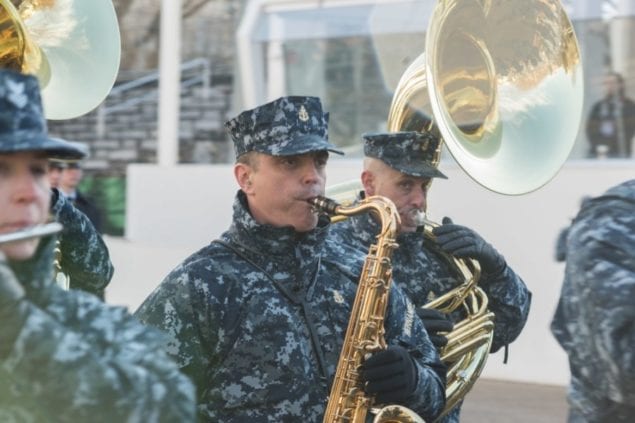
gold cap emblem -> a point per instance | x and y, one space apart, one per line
303 115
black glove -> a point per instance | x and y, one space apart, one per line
463 242
435 322
390 375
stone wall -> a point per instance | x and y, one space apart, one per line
123 131
118 135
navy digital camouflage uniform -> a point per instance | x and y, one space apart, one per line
84 255
420 268
258 320
595 318
65 356
83 261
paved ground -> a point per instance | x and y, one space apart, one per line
492 401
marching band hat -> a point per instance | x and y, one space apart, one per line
283 127
412 153
22 123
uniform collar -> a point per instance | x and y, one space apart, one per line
271 240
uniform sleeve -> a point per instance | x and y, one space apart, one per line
404 328
601 269
182 312
81 360
509 299
84 255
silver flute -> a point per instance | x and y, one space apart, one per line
31 232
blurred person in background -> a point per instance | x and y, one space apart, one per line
55 171
70 178
611 123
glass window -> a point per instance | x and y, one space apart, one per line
352 56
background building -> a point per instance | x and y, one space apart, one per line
236 54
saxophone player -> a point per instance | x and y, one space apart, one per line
64 355
401 166
257 318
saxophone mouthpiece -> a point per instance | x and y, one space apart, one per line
324 205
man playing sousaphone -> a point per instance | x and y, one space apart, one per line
401 166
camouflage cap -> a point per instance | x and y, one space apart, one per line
412 153
283 127
22 123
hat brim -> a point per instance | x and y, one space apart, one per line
419 170
306 144
53 147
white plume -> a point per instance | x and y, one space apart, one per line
50 23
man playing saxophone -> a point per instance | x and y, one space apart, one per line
400 166
257 318
64 355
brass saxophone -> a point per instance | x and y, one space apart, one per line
365 333
467 350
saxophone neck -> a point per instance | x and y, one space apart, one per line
381 207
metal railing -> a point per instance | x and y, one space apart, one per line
193 72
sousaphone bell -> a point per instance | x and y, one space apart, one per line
502 81
72 46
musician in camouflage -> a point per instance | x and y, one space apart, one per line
595 317
257 318
401 166
65 355
84 256
84 263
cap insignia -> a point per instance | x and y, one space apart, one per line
16 94
303 115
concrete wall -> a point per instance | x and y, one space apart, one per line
174 211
